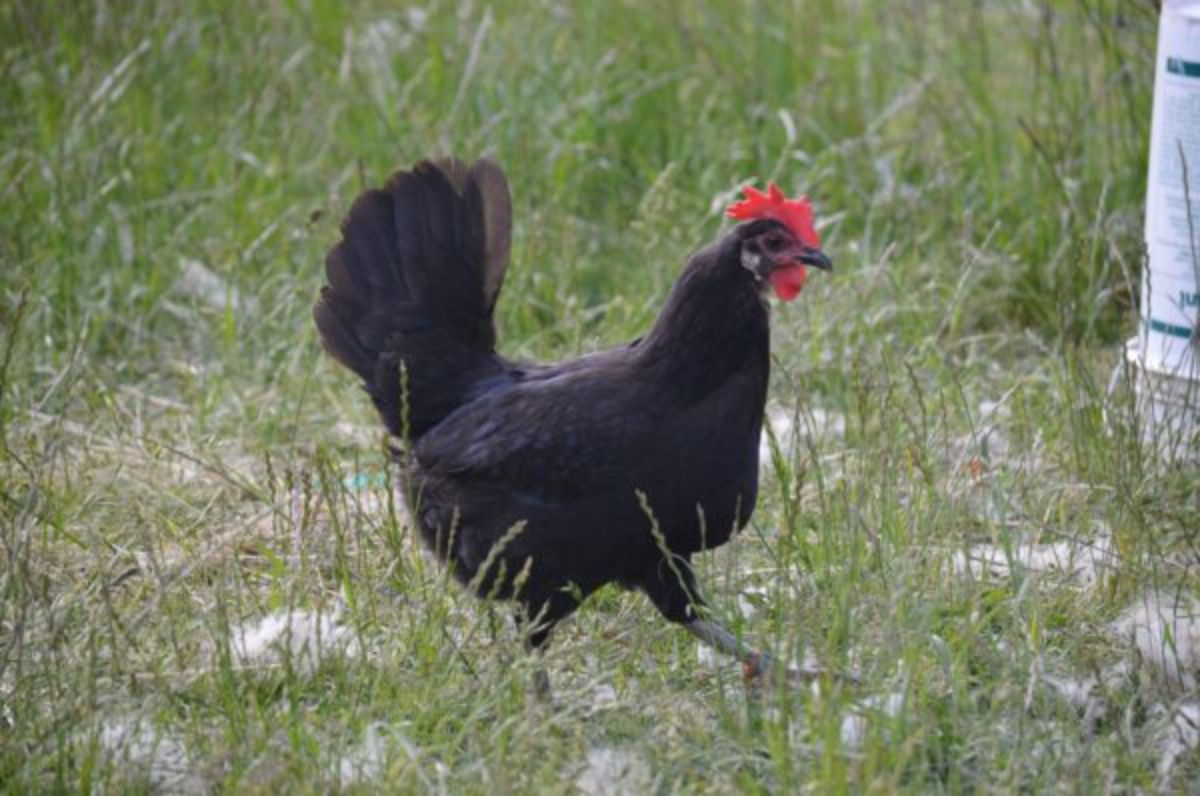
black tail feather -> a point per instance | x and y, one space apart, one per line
412 285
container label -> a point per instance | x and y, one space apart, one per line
1178 66
1162 327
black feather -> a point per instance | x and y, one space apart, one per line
412 285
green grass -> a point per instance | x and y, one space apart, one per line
173 465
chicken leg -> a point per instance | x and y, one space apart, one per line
756 666
535 617
671 586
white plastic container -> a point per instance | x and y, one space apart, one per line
1168 340
1164 359
1168 408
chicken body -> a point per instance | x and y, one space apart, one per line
541 483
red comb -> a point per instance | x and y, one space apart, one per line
796 214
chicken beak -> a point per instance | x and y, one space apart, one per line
817 259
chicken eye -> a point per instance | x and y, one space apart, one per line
774 243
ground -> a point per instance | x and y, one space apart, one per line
207 585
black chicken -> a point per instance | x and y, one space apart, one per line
541 483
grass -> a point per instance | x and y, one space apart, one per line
178 459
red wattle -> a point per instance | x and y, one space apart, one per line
788 280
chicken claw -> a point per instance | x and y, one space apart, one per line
757 666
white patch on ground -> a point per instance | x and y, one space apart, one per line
856 724
369 760
143 753
1178 735
1078 691
750 599
366 761
603 697
1165 628
200 282
303 637
613 772
360 434
1088 694
815 425
706 656
1083 561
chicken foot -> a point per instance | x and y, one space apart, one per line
756 666
535 619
